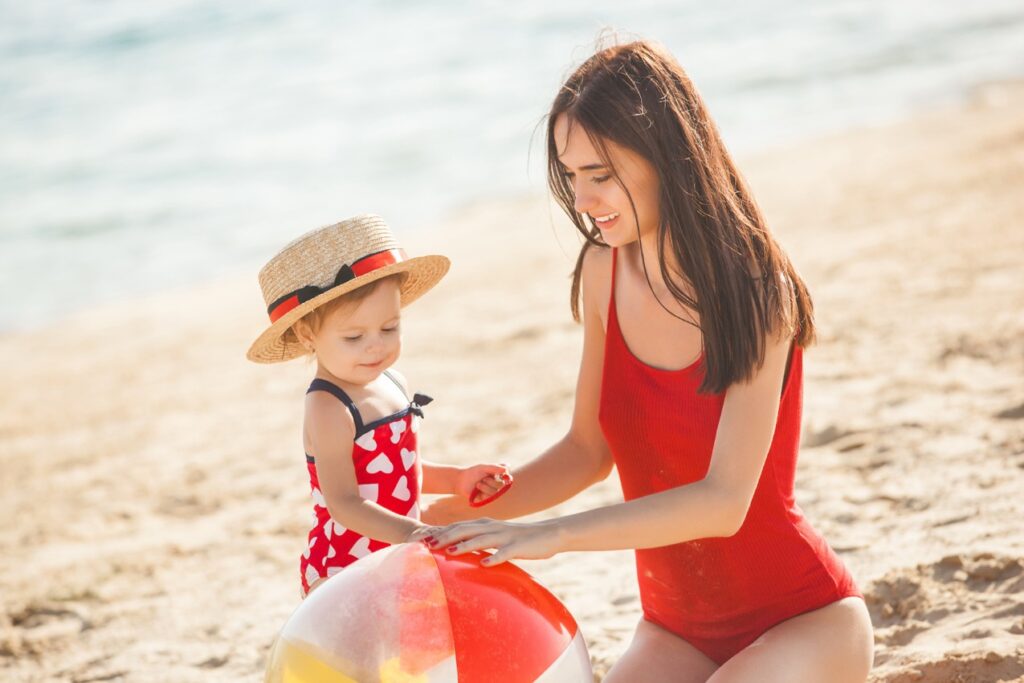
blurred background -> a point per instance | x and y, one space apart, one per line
156 144
152 482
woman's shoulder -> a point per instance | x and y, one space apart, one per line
596 273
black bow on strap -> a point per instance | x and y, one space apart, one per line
418 401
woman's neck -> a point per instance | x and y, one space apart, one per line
652 259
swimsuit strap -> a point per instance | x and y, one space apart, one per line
339 393
397 383
418 400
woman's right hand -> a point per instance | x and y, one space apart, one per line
420 532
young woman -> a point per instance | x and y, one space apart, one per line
695 322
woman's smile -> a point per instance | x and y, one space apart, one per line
606 221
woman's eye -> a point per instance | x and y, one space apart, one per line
597 180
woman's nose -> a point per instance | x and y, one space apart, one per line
584 200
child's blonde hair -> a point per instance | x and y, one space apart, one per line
315 318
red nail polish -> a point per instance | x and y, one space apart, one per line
452 548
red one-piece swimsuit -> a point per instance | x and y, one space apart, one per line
719 594
388 472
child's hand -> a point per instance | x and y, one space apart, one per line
482 482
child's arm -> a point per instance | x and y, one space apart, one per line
462 481
331 431
459 481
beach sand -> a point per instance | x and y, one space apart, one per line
155 498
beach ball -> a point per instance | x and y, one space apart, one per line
406 614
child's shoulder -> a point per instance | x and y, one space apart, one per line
325 412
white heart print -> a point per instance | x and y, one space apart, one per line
312 575
402 491
367 442
380 464
360 548
397 428
408 458
416 419
414 511
318 499
369 492
309 549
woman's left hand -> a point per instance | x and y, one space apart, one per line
510 540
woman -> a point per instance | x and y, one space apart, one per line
690 384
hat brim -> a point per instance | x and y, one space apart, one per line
422 273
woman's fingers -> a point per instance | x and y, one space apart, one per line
475 543
457 532
499 556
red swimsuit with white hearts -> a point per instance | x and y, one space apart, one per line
388 472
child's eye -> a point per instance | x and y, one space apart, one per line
390 329
353 339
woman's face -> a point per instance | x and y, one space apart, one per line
598 194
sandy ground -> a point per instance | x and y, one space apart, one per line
153 489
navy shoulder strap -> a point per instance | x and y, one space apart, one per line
339 393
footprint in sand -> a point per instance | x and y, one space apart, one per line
823 437
955 619
1015 413
39 627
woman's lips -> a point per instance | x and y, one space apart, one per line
605 225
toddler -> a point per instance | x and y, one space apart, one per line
336 293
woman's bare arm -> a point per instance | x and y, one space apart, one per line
579 459
713 507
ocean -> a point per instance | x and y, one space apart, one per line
151 145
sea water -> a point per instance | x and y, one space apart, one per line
151 144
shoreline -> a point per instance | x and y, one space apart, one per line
145 461
981 93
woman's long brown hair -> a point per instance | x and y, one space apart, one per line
744 286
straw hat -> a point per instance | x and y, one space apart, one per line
325 263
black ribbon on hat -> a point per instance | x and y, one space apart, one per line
345 274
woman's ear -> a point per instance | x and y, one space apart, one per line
304 333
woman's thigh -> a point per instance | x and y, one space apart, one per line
657 655
834 643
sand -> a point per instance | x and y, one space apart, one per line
153 488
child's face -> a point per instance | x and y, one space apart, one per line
356 344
